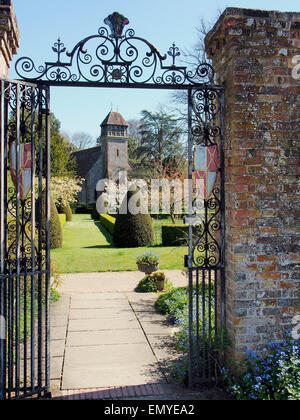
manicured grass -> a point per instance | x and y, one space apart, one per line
87 247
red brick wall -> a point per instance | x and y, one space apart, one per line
9 36
252 52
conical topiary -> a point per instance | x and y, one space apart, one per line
55 226
66 209
132 230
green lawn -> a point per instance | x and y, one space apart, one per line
87 247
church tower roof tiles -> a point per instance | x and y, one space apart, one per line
114 118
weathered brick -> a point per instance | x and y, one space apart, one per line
261 164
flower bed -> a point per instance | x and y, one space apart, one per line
175 304
273 377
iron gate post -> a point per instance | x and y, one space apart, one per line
190 242
2 246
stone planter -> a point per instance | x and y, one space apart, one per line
147 268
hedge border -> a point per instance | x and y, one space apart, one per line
174 235
62 219
108 222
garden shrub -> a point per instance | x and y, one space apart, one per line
55 227
170 302
108 222
55 224
133 230
273 377
148 283
176 305
174 235
65 209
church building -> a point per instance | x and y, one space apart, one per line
106 160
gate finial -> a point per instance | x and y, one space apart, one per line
116 22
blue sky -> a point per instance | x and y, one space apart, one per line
161 22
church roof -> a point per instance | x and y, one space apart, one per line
114 118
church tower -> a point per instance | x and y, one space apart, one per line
114 145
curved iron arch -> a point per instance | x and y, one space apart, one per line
115 59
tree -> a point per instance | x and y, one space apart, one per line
138 169
160 136
65 189
133 130
192 58
171 171
83 140
61 161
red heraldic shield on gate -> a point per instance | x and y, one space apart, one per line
25 168
206 165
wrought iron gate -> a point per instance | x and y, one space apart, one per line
24 239
205 260
117 61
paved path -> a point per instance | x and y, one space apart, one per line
109 342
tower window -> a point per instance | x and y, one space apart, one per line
118 153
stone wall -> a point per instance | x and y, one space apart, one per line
253 53
9 36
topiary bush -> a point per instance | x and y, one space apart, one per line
133 230
65 209
55 225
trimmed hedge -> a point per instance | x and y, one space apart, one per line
82 208
62 219
174 235
108 222
95 214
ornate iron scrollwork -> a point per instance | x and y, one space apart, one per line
114 58
205 131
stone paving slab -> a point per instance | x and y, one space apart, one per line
56 367
126 336
101 313
98 303
112 281
158 327
97 376
59 320
101 324
58 333
114 355
57 348
104 334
